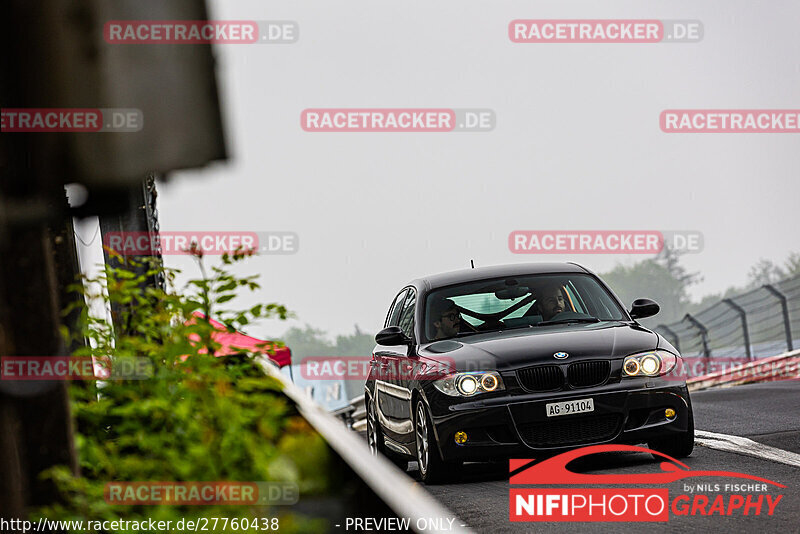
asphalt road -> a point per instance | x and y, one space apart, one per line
767 414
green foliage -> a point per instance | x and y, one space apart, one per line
792 264
768 272
664 280
762 272
661 279
310 341
199 418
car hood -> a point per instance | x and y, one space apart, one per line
519 348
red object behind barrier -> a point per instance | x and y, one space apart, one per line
236 342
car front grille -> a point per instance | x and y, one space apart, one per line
541 378
578 431
587 374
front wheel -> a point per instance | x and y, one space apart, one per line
375 440
374 436
432 469
679 446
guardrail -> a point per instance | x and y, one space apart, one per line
406 498
756 324
781 367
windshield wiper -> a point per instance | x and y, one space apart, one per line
573 320
525 325
462 334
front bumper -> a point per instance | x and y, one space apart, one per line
502 427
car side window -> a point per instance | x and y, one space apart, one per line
393 318
407 316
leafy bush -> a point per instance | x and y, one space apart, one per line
199 418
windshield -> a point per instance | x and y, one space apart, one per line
517 302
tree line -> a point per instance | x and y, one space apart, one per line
666 281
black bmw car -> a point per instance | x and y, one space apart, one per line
502 362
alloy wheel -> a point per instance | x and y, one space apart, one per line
422 438
372 430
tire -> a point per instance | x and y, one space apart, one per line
432 469
374 434
377 444
679 446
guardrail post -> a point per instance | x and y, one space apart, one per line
703 333
672 334
745 330
787 326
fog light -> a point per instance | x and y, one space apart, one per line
460 437
669 413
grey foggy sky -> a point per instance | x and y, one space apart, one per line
577 145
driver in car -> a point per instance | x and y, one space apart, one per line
550 301
446 319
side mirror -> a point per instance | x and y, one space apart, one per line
391 336
642 308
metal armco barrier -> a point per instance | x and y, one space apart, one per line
745 331
703 333
782 367
672 336
756 324
785 310
398 491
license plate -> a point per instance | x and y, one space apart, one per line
569 407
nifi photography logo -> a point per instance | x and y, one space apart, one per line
746 495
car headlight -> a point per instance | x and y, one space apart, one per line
650 363
469 384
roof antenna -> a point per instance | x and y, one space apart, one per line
472 262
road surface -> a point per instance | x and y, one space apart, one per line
734 426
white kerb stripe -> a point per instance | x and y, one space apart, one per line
740 445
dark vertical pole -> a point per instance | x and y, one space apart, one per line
745 330
140 216
703 333
35 421
671 332
35 240
67 270
787 325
